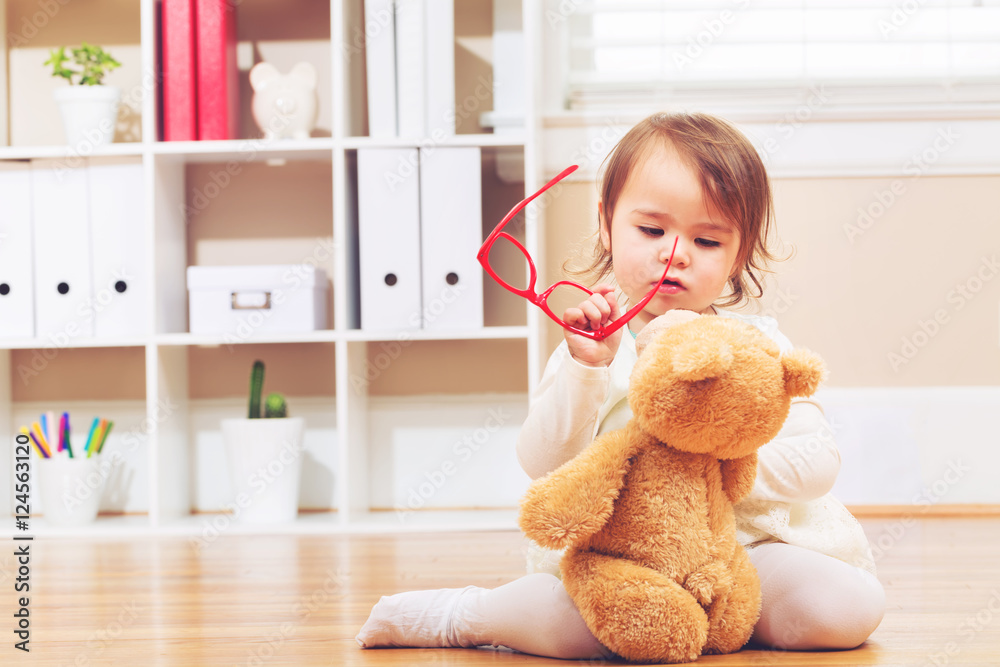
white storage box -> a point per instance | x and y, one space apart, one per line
245 300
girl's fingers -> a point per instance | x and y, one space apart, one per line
607 292
575 317
613 305
597 310
603 306
592 313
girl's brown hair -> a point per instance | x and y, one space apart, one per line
732 177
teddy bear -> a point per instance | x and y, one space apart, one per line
645 513
284 105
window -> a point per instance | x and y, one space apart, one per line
628 52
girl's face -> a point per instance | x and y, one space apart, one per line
663 200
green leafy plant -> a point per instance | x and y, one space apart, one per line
89 64
275 406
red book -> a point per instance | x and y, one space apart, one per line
179 101
218 82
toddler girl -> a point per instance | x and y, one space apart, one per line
697 180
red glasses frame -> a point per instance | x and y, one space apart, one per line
541 300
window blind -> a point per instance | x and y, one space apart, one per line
863 51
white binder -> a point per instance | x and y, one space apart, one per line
17 306
380 67
411 69
450 230
120 292
62 251
389 238
439 24
508 67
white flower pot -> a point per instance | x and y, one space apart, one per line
70 489
265 466
89 114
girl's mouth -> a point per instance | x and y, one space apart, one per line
670 287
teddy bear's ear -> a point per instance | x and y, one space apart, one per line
803 372
261 74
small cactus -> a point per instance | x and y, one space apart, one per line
275 406
256 385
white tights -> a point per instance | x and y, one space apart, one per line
809 602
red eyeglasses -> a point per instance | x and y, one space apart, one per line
541 300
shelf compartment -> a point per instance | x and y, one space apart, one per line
424 454
224 214
217 389
124 459
281 34
502 186
473 77
34 29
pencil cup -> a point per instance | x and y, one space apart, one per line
265 466
70 489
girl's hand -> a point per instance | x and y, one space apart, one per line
599 309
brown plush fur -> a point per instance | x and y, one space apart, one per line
653 563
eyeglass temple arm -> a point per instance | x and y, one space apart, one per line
517 209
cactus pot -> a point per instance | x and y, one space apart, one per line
265 466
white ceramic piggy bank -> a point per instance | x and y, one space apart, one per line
284 105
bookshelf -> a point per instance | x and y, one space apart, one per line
168 388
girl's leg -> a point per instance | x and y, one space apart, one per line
811 601
533 614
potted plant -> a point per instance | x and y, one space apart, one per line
264 454
89 108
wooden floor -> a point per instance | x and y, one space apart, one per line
285 600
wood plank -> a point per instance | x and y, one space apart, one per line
299 600
941 510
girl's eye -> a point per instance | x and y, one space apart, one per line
709 244
651 231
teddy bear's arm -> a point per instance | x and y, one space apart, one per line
738 476
575 500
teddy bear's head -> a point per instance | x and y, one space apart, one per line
715 385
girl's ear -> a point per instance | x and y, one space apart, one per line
603 227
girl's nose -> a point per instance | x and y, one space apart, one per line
680 254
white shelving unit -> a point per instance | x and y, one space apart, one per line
168 446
